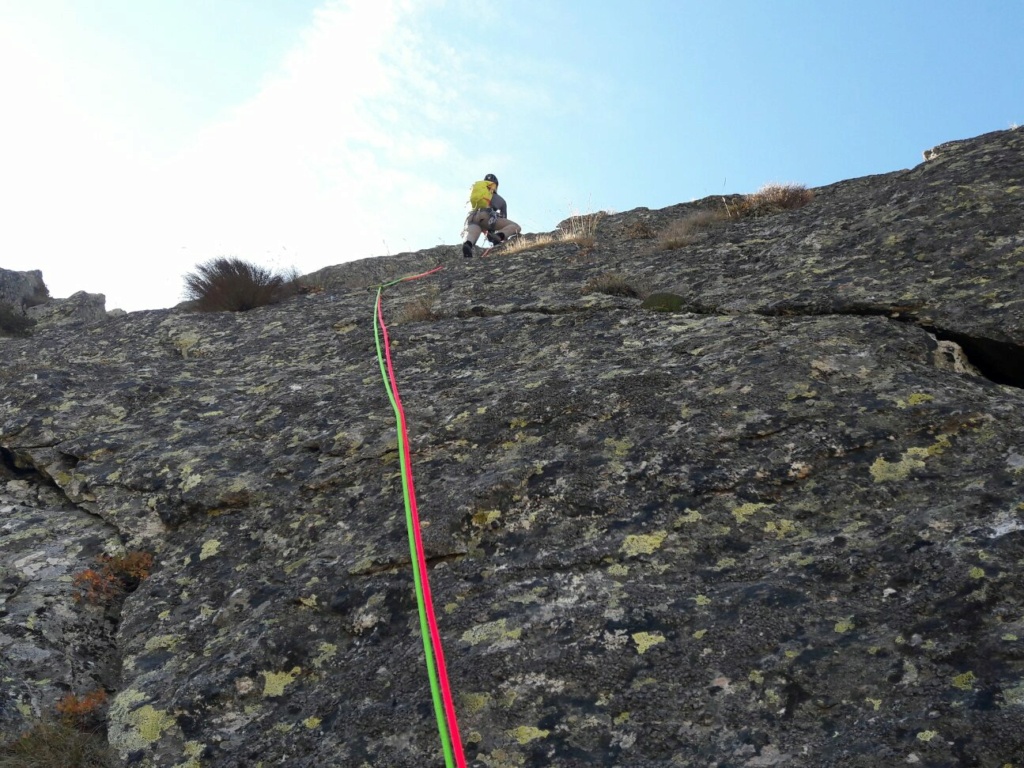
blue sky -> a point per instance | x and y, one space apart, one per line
141 137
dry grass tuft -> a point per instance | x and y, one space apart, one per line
773 198
612 284
419 309
56 745
230 284
581 230
685 230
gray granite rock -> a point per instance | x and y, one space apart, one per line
80 307
20 290
782 524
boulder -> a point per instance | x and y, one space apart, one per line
80 307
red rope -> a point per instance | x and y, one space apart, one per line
435 634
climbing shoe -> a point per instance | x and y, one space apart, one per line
467 249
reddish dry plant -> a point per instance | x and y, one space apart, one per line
75 710
115 576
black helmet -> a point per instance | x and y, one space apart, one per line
491 177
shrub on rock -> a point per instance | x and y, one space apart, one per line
230 284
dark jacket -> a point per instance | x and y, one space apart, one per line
499 206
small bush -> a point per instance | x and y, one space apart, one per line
229 284
419 309
14 324
773 198
56 745
685 230
83 712
612 284
114 576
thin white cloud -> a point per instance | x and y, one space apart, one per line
361 141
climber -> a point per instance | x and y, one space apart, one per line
489 214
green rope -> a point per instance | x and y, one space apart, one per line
435 692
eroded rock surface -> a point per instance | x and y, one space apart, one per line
783 526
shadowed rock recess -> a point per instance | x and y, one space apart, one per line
782 526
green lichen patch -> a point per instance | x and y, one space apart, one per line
643 544
647 640
274 683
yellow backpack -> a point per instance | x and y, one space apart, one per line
480 194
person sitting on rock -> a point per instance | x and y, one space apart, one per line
489 214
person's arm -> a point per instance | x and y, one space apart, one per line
499 205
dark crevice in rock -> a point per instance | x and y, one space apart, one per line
21 466
479 311
998 361
399 566
10 466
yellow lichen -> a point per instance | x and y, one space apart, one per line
647 640
875 703
618 569
927 735
162 641
484 518
702 600
643 544
780 528
913 458
524 734
622 717
475 702
756 676
977 573
689 516
209 549
964 682
190 481
492 631
311 722
699 634
150 722
886 471
327 652
844 625
744 512
274 683
619 448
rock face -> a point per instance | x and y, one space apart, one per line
22 289
25 304
781 525
80 307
